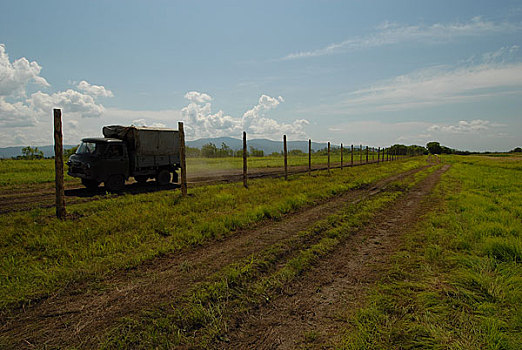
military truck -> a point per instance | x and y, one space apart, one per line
124 152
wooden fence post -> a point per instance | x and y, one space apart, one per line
285 152
328 157
360 154
366 154
182 159
351 161
378 154
244 160
341 156
58 165
309 157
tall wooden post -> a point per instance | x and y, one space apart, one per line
378 154
58 165
328 157
309 157
244 160
341 156
285 152
351 153
382 154
360 154
366 154
182 159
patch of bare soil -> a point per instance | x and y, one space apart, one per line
31 196
75 315
312 312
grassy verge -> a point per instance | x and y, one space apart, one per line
457 284
41 254
203 315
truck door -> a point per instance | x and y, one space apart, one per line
116 160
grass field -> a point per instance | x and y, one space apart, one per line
41 254
19 172
457 283
454 279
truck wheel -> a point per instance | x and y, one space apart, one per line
115 183
90 184
163 177
141 178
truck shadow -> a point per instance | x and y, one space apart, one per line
134 188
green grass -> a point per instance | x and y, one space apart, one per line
204 314
457 283
40 254
20 172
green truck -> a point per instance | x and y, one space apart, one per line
124 152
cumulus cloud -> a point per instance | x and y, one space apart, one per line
392 33
197 97
15 114
94 90
70 101
201 122
15 76
143 122
18 110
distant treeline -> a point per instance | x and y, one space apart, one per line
210 150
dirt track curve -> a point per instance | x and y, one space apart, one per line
75 315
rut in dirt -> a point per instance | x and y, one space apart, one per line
321 301
75 315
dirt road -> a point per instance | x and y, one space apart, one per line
75 315
322 300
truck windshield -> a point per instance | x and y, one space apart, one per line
86 148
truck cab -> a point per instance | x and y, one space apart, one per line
100 160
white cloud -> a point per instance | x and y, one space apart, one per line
435 86
15 76
465 127
197 97
70 101
392 33
94 90
201 122
16 110
16 114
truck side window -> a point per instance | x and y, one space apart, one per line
114 151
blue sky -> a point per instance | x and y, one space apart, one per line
371 72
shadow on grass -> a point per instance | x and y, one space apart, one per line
134 188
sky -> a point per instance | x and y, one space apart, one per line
354 72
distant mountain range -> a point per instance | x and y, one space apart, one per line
268 146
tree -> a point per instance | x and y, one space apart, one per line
225 151
209 150
192 152
32 153
256 152
434 147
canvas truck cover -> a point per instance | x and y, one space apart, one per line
146 141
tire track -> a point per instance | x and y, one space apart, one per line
74 315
